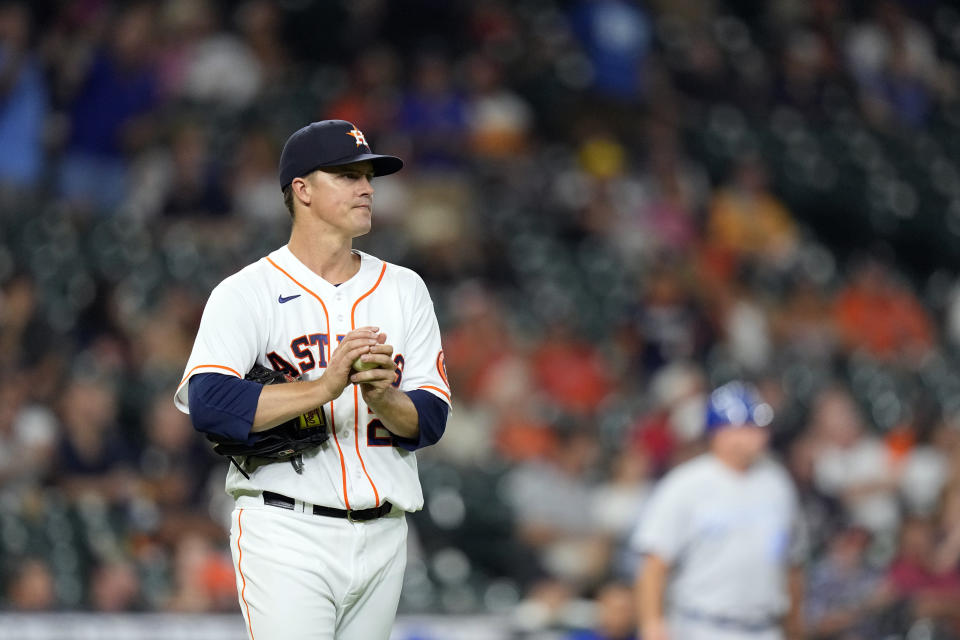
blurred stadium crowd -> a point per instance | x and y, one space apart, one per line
616 206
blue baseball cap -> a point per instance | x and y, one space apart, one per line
736 404
329 143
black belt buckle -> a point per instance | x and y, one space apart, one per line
365 515
277 500
352 515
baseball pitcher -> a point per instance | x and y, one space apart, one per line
318 371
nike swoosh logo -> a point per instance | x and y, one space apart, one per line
281 299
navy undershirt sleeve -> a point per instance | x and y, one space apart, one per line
223 405
432 415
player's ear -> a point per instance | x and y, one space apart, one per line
301 191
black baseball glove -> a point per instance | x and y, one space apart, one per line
283 442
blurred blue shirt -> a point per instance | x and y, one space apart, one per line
22 114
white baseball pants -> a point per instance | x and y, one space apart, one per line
301 576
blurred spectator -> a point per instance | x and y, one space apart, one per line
947 523
372 95
815 26
843 594
619 499
115 588
746 329
469 439
616 618
260 22
674 426
203 62
616 36
434 115
698 69
195 186
24 333
30 586
675 192
254 191
28 436
203 577
879 314
498 120
23 101
93 458
549 499
109 113
802 326
748 222
852 465
822 512
926 468
928 591
669 322
523 433
618 502
175 463
477 339
571 371
164 332
438 223
894 61
548 605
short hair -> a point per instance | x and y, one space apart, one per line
288 198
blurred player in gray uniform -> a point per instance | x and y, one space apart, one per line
721 537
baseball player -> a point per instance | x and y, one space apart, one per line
721 537
319 545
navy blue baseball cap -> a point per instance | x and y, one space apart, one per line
736 404
329 143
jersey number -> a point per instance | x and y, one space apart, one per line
377 434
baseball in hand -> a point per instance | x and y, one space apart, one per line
360 365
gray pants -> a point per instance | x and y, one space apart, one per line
684 628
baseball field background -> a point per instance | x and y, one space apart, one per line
616 206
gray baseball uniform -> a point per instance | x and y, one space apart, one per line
729 538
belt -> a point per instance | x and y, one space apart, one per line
278 500
725 622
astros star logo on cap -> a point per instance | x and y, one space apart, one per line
358 136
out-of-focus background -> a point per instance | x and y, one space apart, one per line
616 205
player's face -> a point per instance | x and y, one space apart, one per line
343 197
742 445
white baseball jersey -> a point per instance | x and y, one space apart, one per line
278 313
728 537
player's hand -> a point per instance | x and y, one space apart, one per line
354 345
374 382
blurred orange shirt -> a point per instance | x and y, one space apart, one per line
883 324
573 375
754 225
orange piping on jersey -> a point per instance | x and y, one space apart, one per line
372 289
333 428
356 401
430 386
200 366
326 315
243 578
356 441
